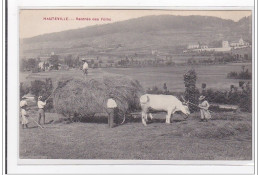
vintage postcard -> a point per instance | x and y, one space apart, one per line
160 85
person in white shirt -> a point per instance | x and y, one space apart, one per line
204 106
112 112
85 67
41 111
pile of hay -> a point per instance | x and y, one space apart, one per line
82 97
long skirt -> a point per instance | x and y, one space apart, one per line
205 114
24 120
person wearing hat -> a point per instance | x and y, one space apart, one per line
112 112
41 106
23 105
23 102
204 106
24 116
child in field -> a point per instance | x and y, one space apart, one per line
23 105
24 116
204 106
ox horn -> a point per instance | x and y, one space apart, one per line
185 102
183 98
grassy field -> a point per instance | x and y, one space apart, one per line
226 137
213 75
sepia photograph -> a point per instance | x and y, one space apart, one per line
136 84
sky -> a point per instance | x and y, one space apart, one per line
37 22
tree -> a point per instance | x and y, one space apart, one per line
77 62
68 60
23 65
31 64
44 89
54 60
191 92
23 90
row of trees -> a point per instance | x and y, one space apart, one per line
147 62
32 64
222 58
241 95
244 74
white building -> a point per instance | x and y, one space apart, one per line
225 44
240 44
193 46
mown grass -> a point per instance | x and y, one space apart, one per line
218 139
228 136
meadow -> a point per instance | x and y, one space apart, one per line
215 76
228 136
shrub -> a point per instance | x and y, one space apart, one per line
232 75
191 92
245 102
241 98
246 75
44 89
23 90
216 96
154 90
54 61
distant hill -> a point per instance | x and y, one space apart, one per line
165 33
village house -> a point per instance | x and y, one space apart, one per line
225 46
193 46
239 44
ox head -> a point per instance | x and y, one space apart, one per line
185 107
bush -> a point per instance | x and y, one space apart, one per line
241 98
54 61
23 90
246 75
154 90
44 89
216 96
245 102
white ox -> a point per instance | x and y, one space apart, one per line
167 103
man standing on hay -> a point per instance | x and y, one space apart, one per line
204 106
41 111
112 112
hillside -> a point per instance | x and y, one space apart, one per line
164 33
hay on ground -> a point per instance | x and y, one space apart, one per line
81 97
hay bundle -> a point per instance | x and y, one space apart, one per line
87 97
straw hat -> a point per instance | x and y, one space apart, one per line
202 97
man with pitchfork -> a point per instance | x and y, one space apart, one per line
41 111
